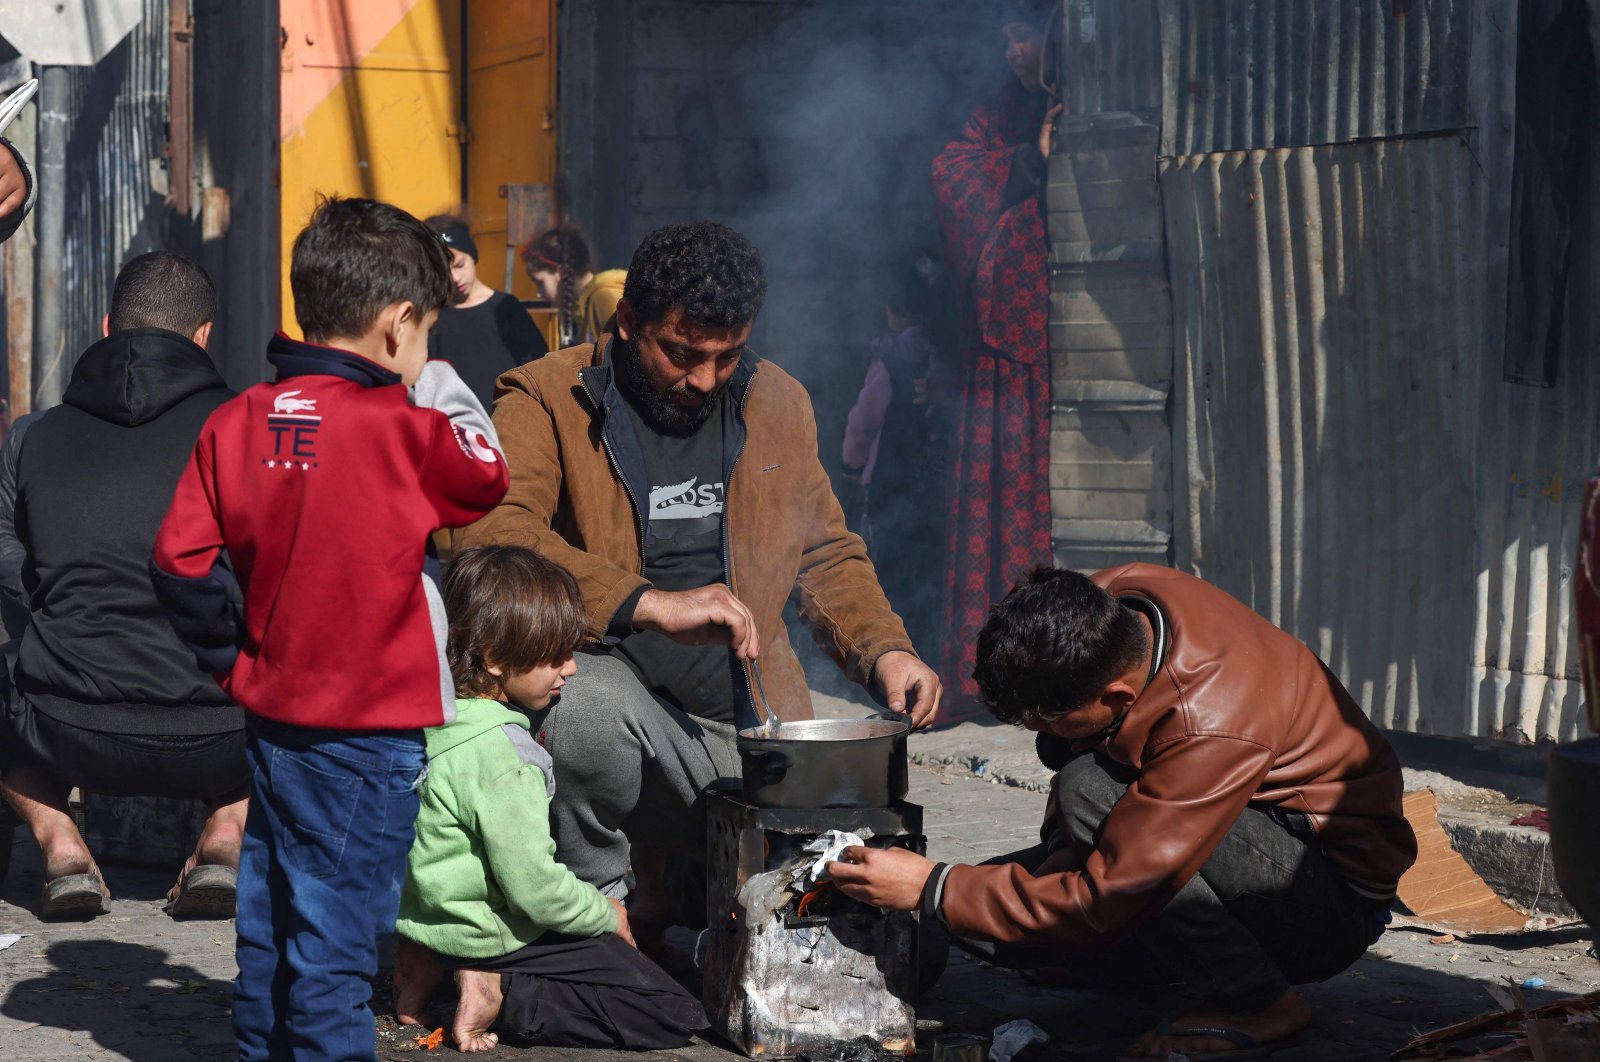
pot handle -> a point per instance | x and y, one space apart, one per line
765 766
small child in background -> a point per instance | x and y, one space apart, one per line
539 955
892 442
315 496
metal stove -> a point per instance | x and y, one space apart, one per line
789 968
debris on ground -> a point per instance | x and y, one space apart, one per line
861 1049
432 1041
960 1047
1010 1039
1539 819
1567 1030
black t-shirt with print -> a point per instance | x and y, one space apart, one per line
683 551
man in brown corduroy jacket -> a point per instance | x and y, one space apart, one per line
676 476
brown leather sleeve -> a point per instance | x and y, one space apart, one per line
1157 836
839 595
528 439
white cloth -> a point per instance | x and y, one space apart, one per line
827 847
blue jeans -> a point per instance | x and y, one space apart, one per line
325 844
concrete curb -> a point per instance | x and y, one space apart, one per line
1513 860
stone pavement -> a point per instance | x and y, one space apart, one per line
135 985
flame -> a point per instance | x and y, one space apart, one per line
810 896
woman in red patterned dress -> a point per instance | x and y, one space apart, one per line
988 186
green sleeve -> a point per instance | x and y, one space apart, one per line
513 821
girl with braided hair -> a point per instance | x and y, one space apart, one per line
560 262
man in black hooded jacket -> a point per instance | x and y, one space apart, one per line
103 694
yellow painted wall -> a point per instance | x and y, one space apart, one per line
371 105
511 112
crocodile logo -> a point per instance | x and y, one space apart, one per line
288 403
690 500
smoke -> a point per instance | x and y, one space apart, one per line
816 140
841 202
811 128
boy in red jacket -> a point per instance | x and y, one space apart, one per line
314 497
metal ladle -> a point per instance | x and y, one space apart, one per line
772 724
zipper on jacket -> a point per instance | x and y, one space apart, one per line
616 466
633 503
727 549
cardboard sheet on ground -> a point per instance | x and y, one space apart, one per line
1440 889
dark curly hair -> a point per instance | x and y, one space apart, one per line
512 606
1053 645
707 270
357 256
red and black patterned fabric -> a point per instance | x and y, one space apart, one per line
1000 441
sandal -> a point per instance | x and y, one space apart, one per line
74 896
209 890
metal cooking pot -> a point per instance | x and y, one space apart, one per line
826 763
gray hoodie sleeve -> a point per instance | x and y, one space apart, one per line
440 388
13 221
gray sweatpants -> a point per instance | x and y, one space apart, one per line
628 768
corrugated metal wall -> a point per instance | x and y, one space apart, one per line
1536 448
116 173
1269 73
1335 184
1110 57
1327 349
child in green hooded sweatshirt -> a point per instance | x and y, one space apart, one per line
539 956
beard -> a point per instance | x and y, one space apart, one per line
660 411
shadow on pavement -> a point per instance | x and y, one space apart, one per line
129 998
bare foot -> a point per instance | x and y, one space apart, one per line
65 857
216 852
1281 1020
481 997
417 972
223 834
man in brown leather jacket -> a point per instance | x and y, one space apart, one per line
1223 813
676 476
